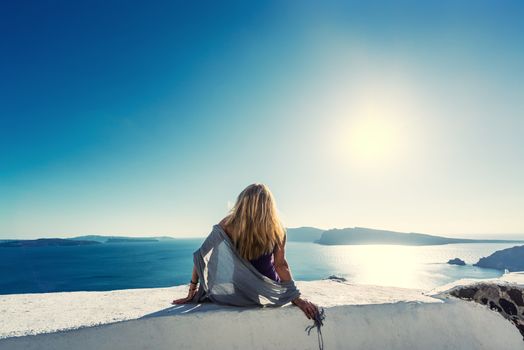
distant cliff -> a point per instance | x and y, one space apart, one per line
362 235
303 234
510 258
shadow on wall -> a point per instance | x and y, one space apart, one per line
183 309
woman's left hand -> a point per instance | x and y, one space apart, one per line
190 295
309 309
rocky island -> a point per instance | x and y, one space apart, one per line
456 261
511 259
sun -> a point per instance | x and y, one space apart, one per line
372 139
376 126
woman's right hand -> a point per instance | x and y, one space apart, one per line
190 295
310 309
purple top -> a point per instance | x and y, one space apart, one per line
265 264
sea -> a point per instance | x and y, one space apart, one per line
127 265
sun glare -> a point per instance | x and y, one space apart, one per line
376 126
372 139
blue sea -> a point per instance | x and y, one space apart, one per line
161 264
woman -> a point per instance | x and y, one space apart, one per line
258 235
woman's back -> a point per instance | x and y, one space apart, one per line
255 217
265 264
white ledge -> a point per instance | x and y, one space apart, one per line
357 317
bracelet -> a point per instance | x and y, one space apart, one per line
195 283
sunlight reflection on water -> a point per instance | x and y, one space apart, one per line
421 267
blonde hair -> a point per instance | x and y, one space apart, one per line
253 222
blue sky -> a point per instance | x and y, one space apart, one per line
120 117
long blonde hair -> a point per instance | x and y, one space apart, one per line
253 222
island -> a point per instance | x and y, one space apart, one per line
511 259
456 261
122 239
44 242
131 240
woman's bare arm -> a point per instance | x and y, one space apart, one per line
192 289
281 265
284 272
194 276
